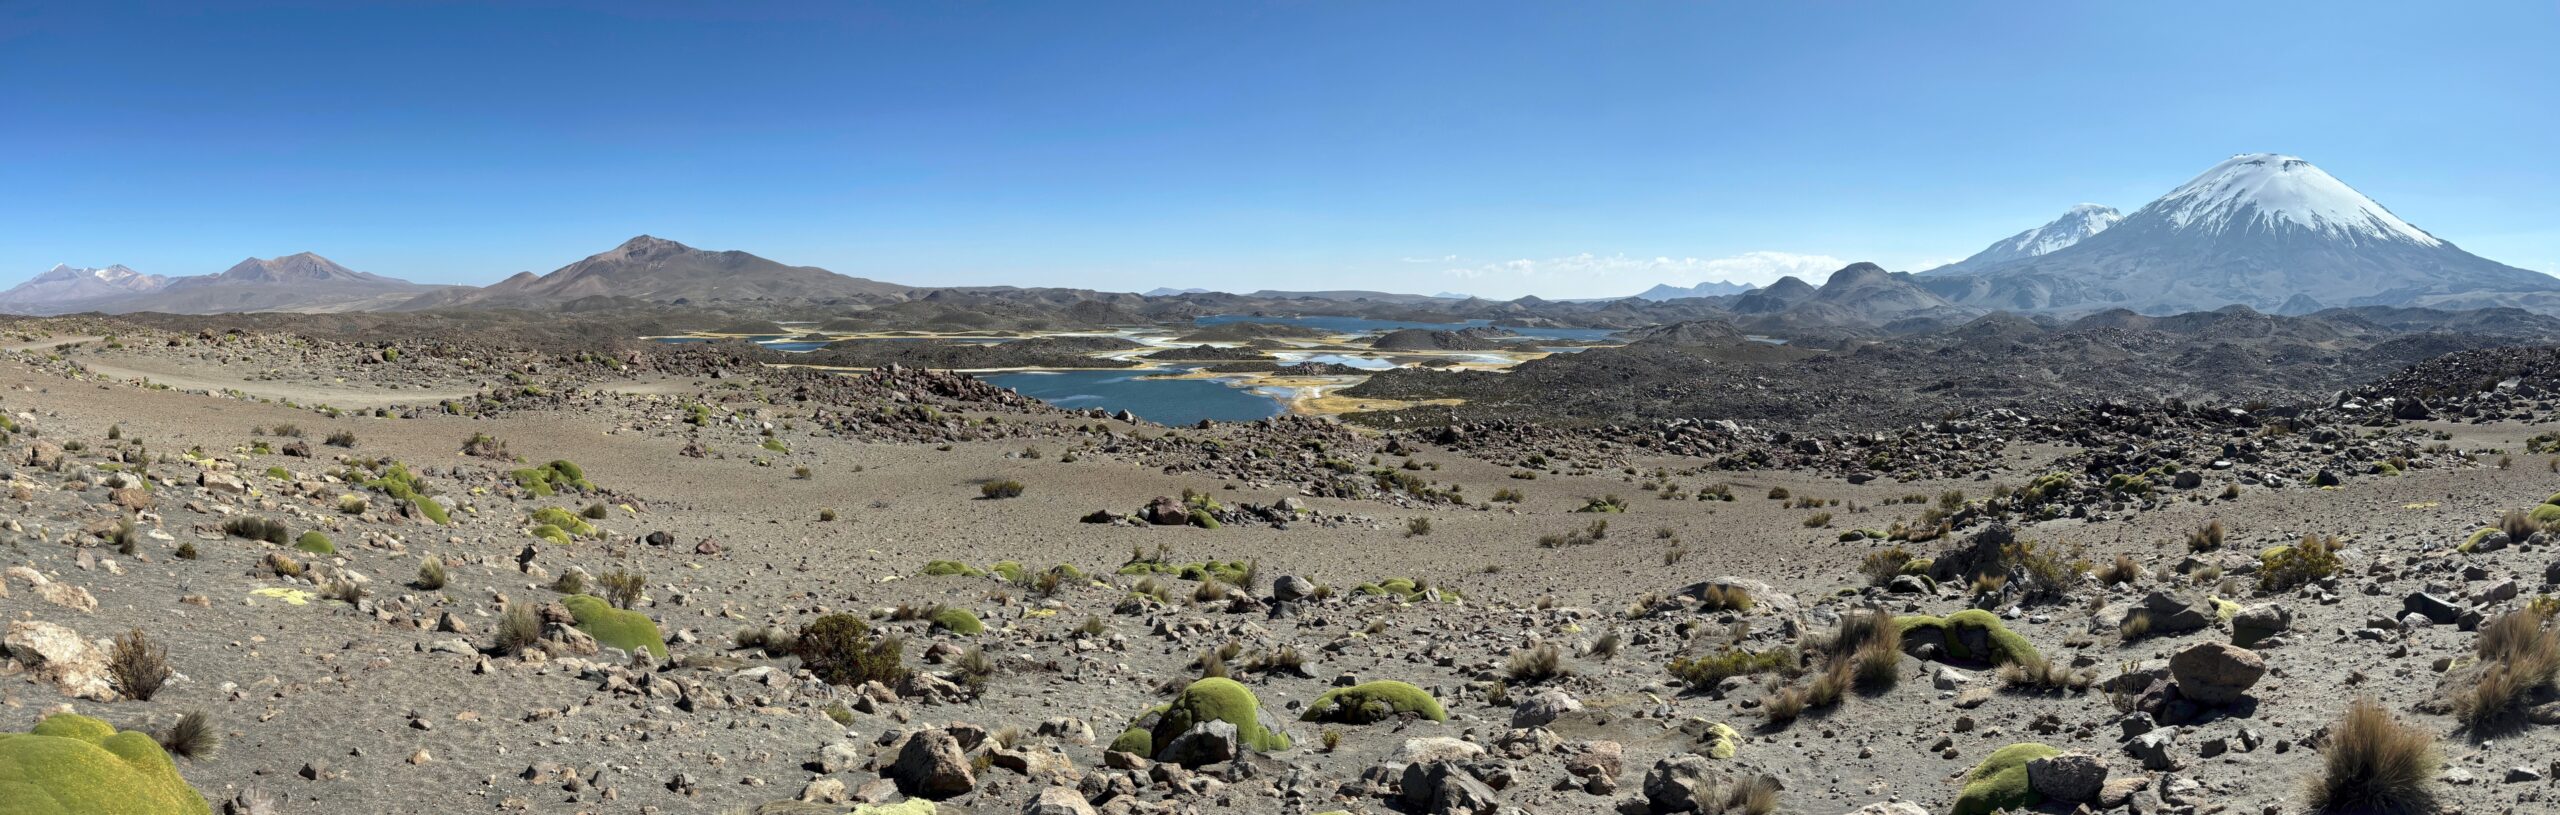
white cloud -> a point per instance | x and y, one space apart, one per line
1590 275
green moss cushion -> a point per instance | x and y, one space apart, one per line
951 568
1992 642
315 543
620 628
1373 702
76 765
1222 700
565 520
2000 781
958 621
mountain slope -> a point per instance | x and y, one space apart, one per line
65 284
1711 288
2075 225
302 282
2268 231
660 270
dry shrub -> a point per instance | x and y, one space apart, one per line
2373 764
1720 597
2122 571
2518 655
2206 538
2518 524
1784 705
1537 664
193 737
1882 565
139 666
518 629
624 588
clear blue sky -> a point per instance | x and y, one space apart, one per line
1403 146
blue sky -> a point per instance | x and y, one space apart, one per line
1560 149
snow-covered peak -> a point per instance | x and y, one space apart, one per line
2268 191
2075 225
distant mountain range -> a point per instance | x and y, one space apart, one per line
2268 231
1711 288
300 282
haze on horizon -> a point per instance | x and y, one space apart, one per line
1496 150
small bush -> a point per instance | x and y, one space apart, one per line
1817 520
1416 527
624 588
2373 764
1707 671
431 574
138 666
2285 568
2206 538
998 490
840 649
518 629
2518 653
342 438
1540 663
256 528
192 736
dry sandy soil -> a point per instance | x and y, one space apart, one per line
329 706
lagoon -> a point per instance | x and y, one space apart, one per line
1163 401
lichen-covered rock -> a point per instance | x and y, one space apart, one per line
76 765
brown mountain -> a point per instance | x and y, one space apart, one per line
303 282
659 270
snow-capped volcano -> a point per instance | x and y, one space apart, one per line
2075 225
2271 192
66 283
2269 231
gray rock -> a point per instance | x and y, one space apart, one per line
1543 708
2216 673
1208 742
2436 609
1292 588
2256 623
2154 749
1673 783
2070 777
932 765
1058 801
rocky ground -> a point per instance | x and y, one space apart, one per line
1588 620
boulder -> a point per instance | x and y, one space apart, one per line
1058 801
1292 588
1543 708
2171 614
2070 777
2257 623
1673 783
59 656
1209 742
2216 672
932 765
